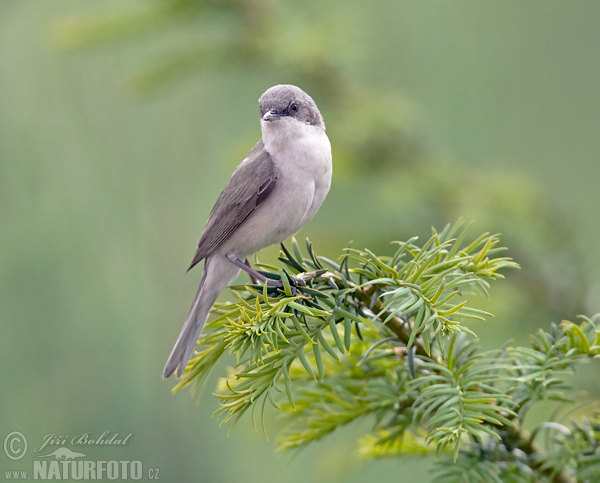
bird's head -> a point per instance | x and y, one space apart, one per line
289 104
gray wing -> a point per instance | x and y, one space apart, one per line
251 184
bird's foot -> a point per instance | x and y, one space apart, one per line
295 282
299 282
257 277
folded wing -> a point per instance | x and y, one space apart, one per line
249 186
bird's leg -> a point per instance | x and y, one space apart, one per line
253 279
259 277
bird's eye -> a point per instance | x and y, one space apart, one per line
294 107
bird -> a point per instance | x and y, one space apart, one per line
278 187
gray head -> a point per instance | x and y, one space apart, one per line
286 100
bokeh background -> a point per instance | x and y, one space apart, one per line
120 122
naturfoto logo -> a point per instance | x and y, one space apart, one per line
55 460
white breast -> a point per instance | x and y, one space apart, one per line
302 155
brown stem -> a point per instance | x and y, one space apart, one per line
365 296
516 438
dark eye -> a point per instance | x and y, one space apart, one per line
294 107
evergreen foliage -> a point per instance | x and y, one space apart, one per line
386 337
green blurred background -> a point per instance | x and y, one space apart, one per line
120 122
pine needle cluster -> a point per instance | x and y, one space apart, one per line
386 337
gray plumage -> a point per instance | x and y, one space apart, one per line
273 193
249 186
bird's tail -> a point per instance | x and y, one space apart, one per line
217 275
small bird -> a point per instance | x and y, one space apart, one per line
272 194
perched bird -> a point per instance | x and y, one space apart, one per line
273 193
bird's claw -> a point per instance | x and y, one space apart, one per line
295 283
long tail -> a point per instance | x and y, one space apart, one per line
218 273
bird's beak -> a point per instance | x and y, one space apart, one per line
271 115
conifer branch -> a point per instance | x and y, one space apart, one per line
387 336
